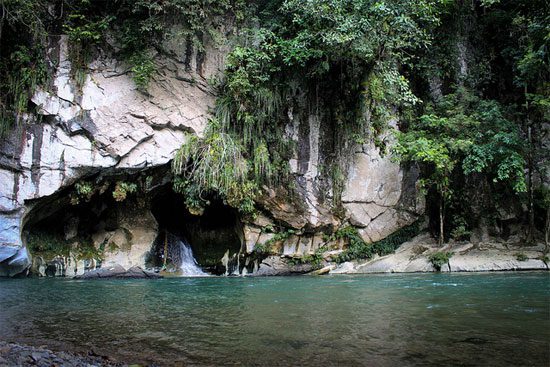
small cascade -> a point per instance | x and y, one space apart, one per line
231 263
189 266
237 264
225 262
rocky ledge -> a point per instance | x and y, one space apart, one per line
414 256
24 355
118 272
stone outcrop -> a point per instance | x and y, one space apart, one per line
129 244
107 127
413 256
380 196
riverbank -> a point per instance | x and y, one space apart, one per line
12 354
414 257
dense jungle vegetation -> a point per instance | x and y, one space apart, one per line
467 82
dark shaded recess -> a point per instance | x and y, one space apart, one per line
47 224
54 213
219 229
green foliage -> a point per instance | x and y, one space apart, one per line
359 249
460 230
49 245
316 260
142 69
438 259
266 247
86 30
145 24
497 149
459 136
296 47
262 248
22 72
520 256
122 189
80 29
194 17
214 165
82 192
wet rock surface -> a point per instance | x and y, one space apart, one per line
117 271
23 355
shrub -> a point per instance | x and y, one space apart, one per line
359 249
438 259
316 259
266 247
49 245
142 68
460 231
520 256
214 165
122 189
83 191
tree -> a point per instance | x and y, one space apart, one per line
462 135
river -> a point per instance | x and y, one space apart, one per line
490 319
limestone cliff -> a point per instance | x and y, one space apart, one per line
109 129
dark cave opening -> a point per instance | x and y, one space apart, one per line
56 227
213 234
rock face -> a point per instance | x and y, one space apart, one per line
108 128
380 196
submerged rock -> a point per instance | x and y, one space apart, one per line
23 355
117 271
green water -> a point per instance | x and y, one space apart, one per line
381 320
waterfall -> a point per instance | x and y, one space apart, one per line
189 266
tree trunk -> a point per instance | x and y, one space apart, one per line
2 18
441 219
547 229
530 209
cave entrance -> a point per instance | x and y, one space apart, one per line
214 237
58 234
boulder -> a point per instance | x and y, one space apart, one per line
323 271
276 265
118 272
